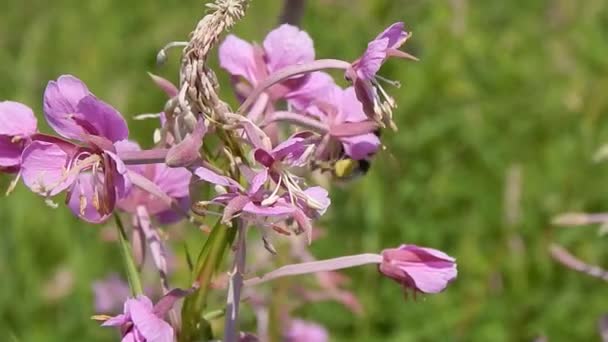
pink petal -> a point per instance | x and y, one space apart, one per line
372 59
175 182
116 321
351 107
237 57
153 328
10 152
315 87
321 196
361 146
44 168
187 151
212 177
288 45
258 181
16 119
61 100
395 34
104 120
431 279
165 85
276 210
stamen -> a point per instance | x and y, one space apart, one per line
161 57
394 83
274 196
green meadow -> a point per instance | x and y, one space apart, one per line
499 123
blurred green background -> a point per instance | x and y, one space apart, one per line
498 122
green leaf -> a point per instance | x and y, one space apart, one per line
127 255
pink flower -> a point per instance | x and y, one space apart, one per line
377 104
141 322
17 125
342 114
259 205
89 169
422 269
284 46
305 331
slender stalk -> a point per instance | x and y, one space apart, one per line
288 72
194 326
127 256
317 266
297 119
231 326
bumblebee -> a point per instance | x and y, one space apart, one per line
343 168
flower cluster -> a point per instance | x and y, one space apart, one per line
250 167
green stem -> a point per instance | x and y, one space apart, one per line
130 267
194 325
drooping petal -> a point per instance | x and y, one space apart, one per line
237 57
187 151
153 328
361 146
61 100
395 34
288 45
16 119
119 179
44 168
103 120
372 59
10 152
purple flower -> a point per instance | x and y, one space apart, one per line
422 269
17 125
284 46
342 114
377 104
141 322
305 331
90 170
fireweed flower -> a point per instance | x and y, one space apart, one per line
346 124
17 125
426 270
284 46
141 322
258 205
294 152
377 104
89 170
305 331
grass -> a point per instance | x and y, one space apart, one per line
504 90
